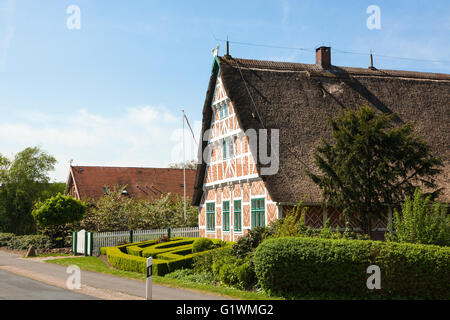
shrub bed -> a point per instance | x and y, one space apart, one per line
4 238
295 266
24 242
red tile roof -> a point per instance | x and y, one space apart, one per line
143 183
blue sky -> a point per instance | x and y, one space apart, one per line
111 93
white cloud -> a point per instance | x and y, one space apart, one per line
143 136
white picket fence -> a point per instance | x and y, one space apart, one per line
111 239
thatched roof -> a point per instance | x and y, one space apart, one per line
299 98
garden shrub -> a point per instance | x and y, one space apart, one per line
5 238
231 271
421 221
297 266
24 242
249 242
58 210
202 244
293 223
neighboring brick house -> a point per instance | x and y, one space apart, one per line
143 183
297 99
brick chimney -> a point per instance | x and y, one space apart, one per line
323 57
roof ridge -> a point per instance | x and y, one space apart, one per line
119 167
338 70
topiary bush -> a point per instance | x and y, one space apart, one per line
58 210
298 266
202 244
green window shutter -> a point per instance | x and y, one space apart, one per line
210 216
258 213
226 216
237 216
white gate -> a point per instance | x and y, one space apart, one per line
82 242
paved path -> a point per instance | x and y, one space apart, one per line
95 284
14 287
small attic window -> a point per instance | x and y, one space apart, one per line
223 110
125 193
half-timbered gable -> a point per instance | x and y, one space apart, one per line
231 182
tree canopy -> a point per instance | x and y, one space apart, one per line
372 163
23 180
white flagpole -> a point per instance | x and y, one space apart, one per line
184 171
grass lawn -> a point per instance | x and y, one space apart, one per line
97 265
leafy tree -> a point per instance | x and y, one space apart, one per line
23 181
371 163
58 210
421 221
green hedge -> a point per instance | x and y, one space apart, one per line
5 238
298 266
154 251
136 250
24 242
167 256
122 261
202 244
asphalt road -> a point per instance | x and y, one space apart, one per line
14 287
108 283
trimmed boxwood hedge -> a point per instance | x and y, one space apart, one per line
167 257
123 261
136 250
298 266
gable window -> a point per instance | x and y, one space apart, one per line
228 148
210 216
223 111
224 149
237 216
226 216
258 213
